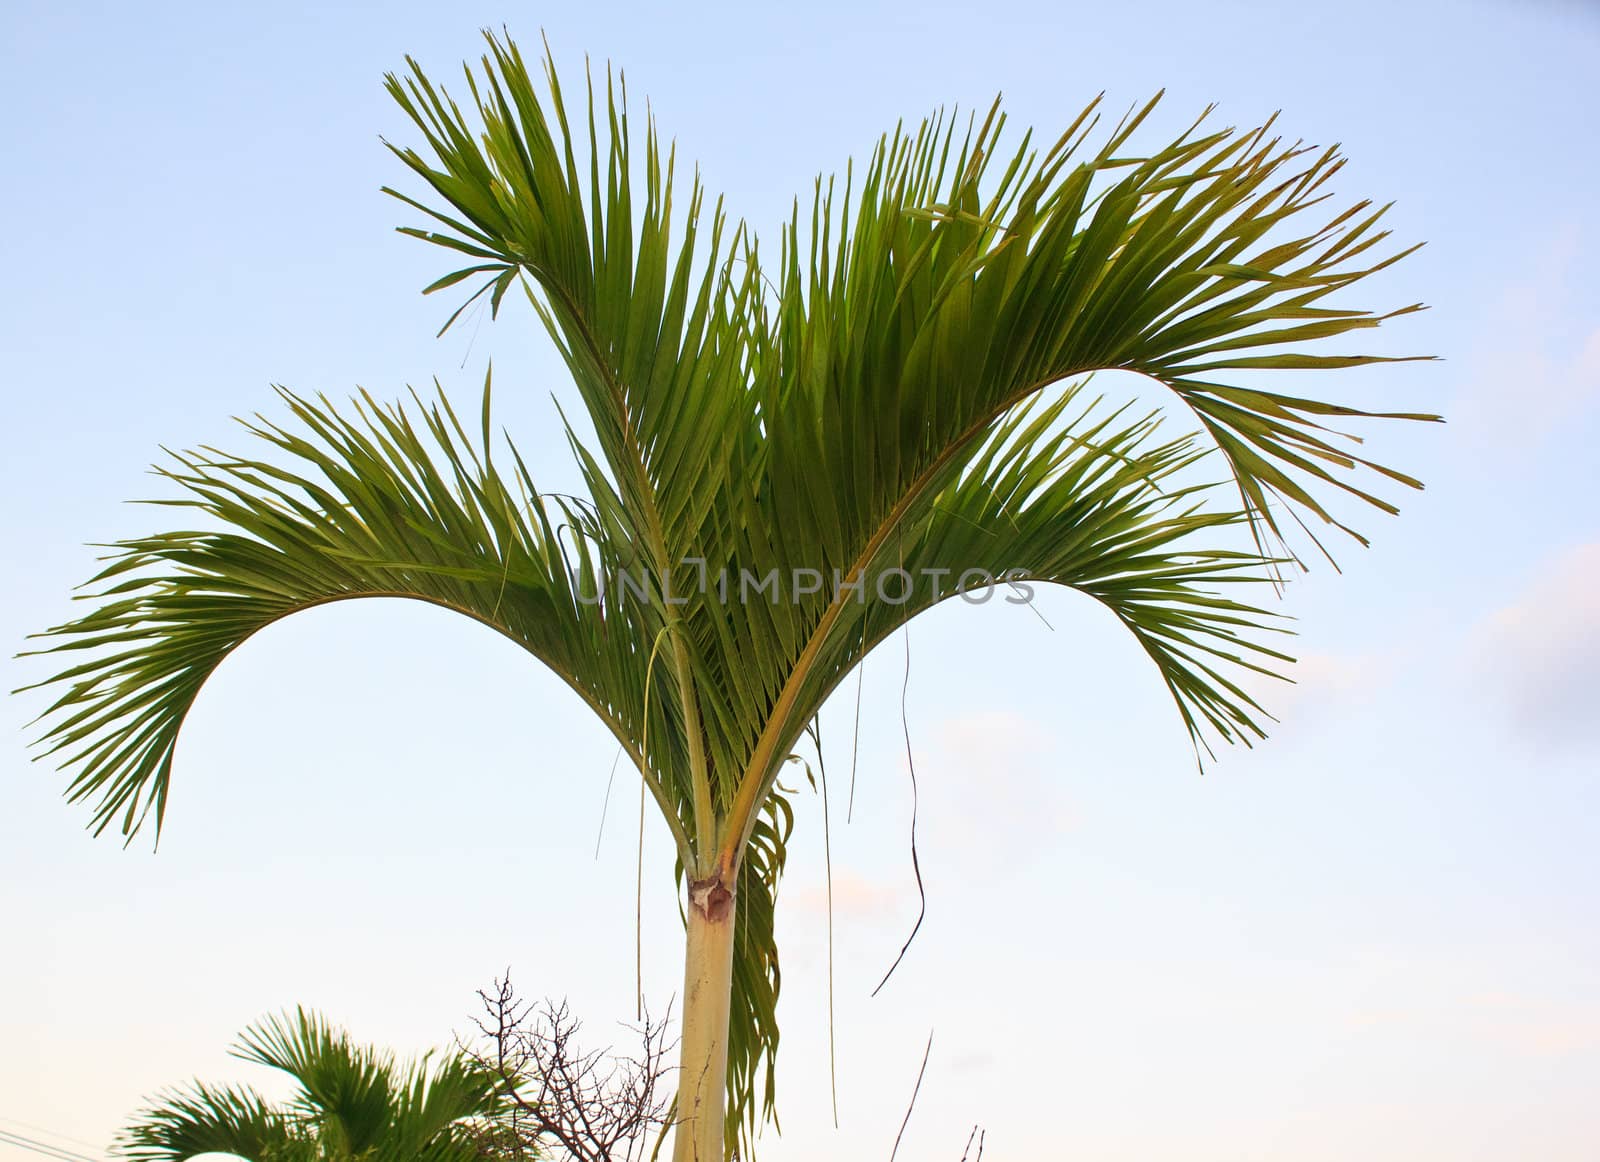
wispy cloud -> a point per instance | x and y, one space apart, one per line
1324 682
988 791
1541 652
1002 762
1539 351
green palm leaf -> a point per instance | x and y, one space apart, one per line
205 1120
346 1091
364 507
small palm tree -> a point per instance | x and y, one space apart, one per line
354 1105
788 463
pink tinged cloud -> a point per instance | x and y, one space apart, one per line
856 899
1530 1025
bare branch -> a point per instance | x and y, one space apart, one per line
564 1102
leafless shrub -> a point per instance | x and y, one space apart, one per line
565 1102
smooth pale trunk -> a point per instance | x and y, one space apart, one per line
703 1053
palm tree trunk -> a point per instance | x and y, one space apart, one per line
703 1053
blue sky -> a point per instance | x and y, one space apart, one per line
1372 936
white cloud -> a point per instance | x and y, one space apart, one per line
1542 651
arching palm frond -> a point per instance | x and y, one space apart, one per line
348 508
1073 494
935 301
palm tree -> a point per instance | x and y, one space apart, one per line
353 1103
776 450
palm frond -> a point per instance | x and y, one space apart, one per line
352 1102
203 1119
935 301
1069 492
757 978
436 1107
344 508
651 328
948 298
347 1091
1104 506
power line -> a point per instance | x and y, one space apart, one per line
49 1133
44 1148
38 1147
